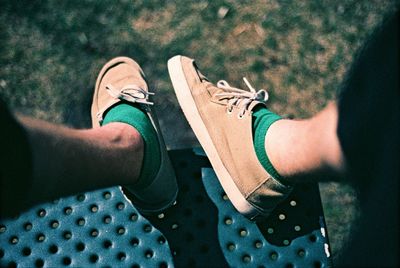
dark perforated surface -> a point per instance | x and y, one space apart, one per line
97 229
244 244
102 228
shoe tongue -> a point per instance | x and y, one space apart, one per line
256 103
127 75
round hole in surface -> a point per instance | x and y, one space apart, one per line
121 256
317 264
282 216
297 228
258 244
107 244
94 233
135 242
107 219
93 258
148 253
80 222
161 240
161 216
270 230
147 228
231 246
174 226
293 203
14 240
66 261
94 208
28 226
40 237
39 263
246 258
3 228
67 210
106 195
54 224
286 242
163 265
26 251
81 197
134 217
301 253
80 246
41 213
273 255
312 238
242 232
225 197
67 235
228 221
120 230
120 206
53 249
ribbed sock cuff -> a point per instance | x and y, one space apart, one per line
134 116
262 120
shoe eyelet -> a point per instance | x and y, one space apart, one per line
240 116
229 111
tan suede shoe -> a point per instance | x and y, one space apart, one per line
122 79
221 118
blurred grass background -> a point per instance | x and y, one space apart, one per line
51 52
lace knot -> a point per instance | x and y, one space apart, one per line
240 97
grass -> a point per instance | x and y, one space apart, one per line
51 52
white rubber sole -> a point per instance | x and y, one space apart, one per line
191 113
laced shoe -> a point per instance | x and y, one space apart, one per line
122 80
221 118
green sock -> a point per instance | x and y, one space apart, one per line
262 120
132 115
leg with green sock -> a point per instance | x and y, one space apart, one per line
121 95
262 120
255 155
305 150
132 115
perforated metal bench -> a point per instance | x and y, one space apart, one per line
103 229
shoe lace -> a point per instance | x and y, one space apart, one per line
239 97
130 93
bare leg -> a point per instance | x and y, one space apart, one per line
306 149
68 161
